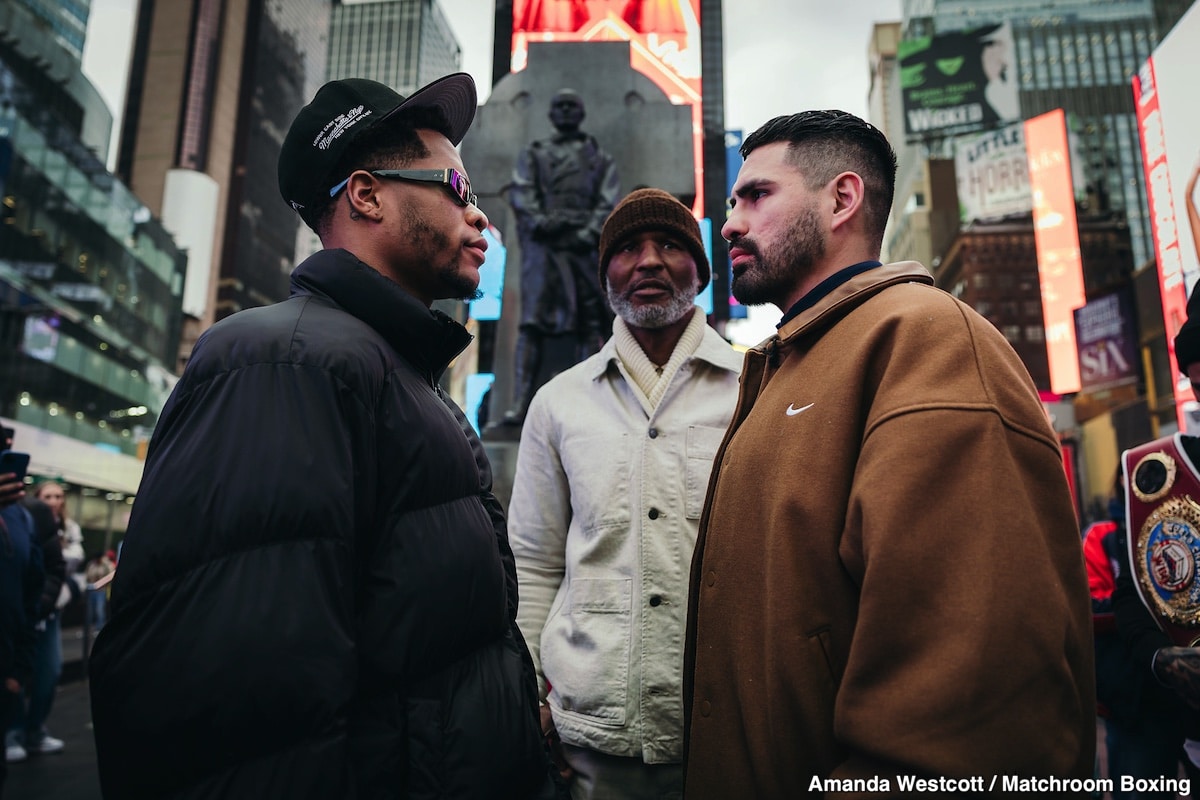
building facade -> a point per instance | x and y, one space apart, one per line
64 20
1079 56
402 43
214 85
90 288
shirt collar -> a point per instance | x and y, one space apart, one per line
713 349
823 288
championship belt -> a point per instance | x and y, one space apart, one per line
1162 502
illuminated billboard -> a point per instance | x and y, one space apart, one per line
1169 123
1107 342
992 172
664 45
958 82
1056 238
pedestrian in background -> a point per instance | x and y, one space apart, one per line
1151 605
316 597
26 732
100 565
614 459
888 578
21 584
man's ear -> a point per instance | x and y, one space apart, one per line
363 193
848 196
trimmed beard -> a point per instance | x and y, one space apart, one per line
654 316
455 285
774 274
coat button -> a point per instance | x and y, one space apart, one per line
705 708
655 600
654 433
710 578
653 513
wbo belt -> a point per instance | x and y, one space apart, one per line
1162 502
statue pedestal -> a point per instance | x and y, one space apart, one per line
502 453
500 441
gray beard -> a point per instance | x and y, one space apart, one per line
656 316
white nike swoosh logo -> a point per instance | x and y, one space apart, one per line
793 411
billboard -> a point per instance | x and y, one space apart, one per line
1056 238
1169 125
958 82
664 45
1108 344
992 172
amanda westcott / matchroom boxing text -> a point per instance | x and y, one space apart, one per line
1014 784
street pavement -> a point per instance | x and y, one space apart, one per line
71 774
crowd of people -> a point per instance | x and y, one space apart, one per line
842 561
44 577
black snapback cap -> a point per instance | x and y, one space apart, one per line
342 111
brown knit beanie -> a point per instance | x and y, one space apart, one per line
647 210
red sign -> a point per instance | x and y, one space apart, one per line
1171 282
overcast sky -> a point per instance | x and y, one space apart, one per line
781 56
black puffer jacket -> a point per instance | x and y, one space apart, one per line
316 596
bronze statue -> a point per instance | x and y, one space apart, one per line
563 189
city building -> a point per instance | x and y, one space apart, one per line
402 43
90 286
1079 56
66 21
213 87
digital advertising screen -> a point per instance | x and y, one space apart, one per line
664 45
1056 238
1169 126
958 82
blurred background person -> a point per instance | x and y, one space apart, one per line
21 584
1167 670
100 565
27 733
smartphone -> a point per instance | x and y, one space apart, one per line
12 461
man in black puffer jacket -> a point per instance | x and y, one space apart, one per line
316 597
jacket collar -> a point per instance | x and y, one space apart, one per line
713 349
858 288
427 339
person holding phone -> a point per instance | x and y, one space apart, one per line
21 581
27 734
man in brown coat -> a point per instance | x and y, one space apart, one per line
888 594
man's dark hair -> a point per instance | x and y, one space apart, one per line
823 144
391 145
